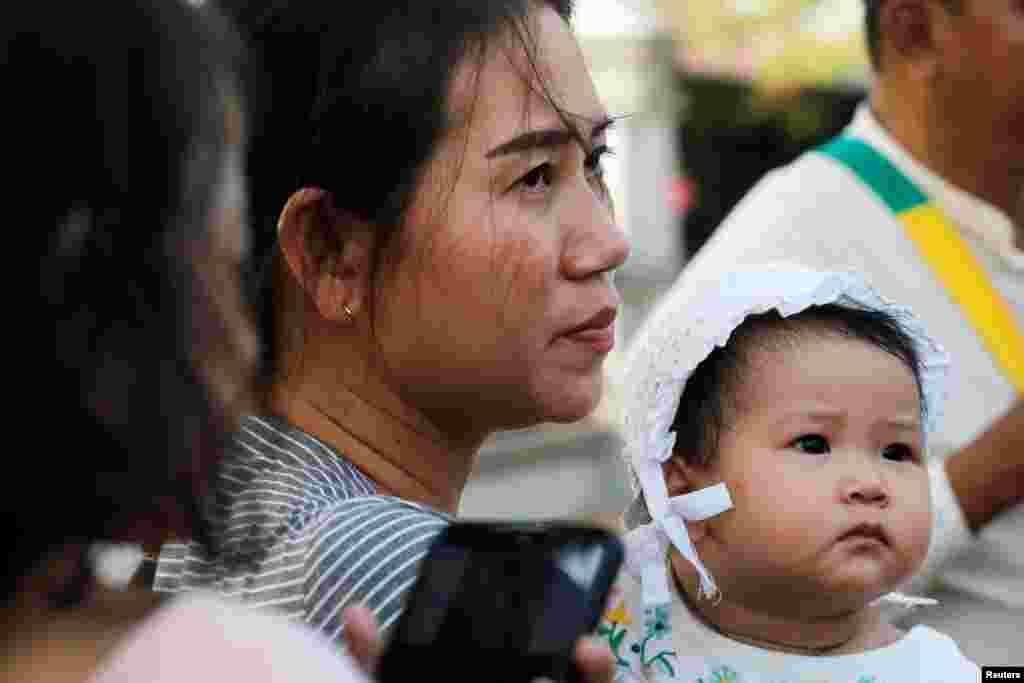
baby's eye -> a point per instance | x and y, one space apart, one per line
811 443
898 452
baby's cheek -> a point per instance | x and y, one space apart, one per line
746 491
922 533
912 534
917 514
766 530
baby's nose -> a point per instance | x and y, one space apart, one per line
864 492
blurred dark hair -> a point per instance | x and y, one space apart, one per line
873 28
355 101
116 117
709 401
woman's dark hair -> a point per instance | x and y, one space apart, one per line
709 400
355 101
116 141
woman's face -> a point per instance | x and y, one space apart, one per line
495 306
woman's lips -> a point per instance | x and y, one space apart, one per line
598 332
601 339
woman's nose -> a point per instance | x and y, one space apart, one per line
596 243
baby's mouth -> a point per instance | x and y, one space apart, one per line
866 531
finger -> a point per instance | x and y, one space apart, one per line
363 637
595 660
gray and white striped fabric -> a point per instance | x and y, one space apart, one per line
302 531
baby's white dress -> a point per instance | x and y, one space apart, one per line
668 644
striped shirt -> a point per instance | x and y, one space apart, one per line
299 529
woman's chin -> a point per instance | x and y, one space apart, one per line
577 398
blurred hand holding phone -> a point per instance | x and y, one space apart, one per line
505 602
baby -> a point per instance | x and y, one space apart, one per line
776 425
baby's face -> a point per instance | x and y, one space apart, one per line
830 492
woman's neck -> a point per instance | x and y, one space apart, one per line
845 633
382 435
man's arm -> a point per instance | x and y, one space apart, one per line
987 476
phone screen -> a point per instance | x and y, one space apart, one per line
518 599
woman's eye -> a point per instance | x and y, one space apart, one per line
811 443
593 162
898 452
538 179
594 166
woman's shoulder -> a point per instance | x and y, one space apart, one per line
198 637
273 486
361 529
376 519
278 477
266 449
365 551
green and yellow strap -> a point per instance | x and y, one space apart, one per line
945 251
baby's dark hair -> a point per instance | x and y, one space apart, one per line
709 401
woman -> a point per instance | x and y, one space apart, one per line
440 270
125 148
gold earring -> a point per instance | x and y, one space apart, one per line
348 311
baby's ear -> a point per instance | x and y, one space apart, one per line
680 475
683 477
676 479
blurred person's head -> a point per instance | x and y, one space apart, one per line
424 259
132 346
951 86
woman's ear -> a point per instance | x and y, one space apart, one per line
682 477
327 252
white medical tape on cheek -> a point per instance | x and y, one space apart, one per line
703 504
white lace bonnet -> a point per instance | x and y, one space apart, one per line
694 318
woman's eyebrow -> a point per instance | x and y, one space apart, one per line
542 139
534 139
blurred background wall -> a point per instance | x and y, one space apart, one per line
713 93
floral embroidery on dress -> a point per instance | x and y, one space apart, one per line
613 628
646 646
722 674
656 627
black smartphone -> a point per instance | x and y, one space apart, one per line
503 602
